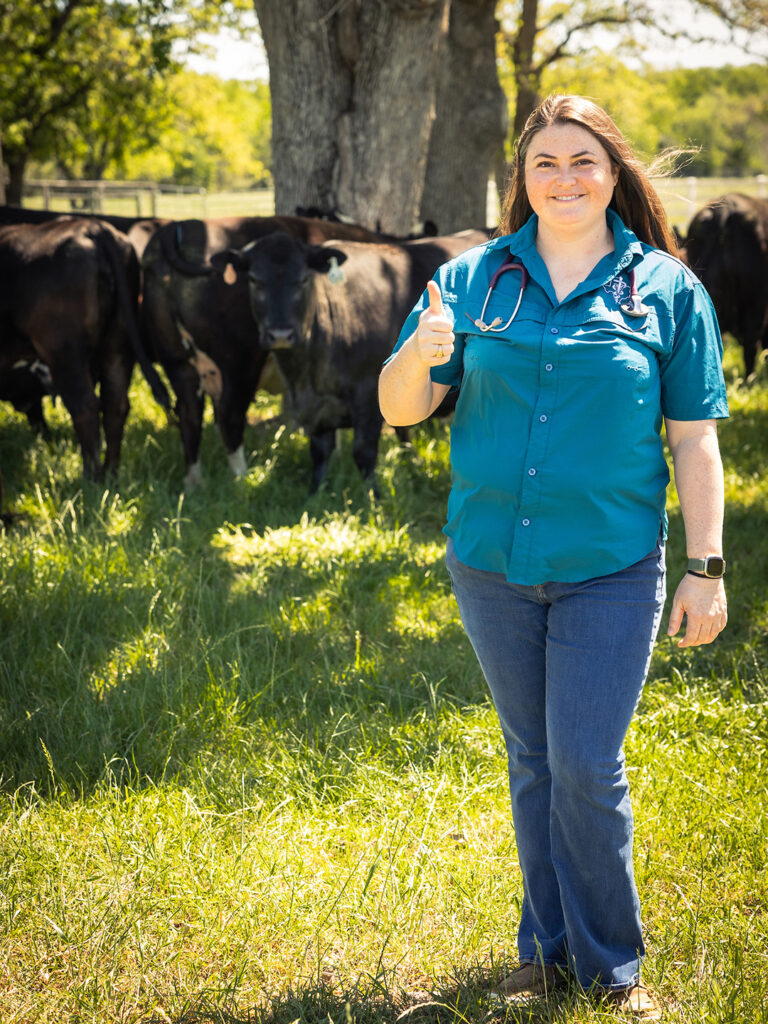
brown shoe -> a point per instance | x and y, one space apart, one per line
637 1002
529 980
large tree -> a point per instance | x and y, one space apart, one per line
467 137
353 86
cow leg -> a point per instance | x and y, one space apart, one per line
75 387
189 408
321 447
749 348
231 415
366 448
114 384
36 418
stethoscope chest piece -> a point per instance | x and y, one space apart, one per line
635 306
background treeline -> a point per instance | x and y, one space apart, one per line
204 131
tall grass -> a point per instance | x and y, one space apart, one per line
250 771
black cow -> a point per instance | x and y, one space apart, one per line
727 248
68 294
330 314
200 328
139 230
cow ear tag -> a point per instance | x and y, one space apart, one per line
335 274
230 274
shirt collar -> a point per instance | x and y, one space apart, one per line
628 249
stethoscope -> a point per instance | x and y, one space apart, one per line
634 307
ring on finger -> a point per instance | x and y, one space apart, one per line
439 351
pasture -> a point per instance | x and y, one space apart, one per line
682 197
250 772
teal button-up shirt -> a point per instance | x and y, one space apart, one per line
558 468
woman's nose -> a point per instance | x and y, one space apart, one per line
565 172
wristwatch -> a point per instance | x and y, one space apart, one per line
710 568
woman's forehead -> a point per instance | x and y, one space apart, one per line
564 139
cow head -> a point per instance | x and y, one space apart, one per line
280 270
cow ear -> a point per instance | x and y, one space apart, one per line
229 263
325 259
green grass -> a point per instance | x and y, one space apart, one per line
250 771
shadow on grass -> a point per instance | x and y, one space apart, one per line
467 999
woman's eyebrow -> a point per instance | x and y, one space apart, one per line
550 156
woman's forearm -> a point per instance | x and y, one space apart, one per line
699 483
407 393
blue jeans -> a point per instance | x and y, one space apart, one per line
565 664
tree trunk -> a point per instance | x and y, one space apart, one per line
527 76
471 121
353 90
16 168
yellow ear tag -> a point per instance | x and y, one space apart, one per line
335 274
230 274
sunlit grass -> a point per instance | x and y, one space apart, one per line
250 770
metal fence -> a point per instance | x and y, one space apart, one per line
143 199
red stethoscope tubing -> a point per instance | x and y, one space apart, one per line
634 307
510 263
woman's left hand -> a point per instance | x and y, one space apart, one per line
703 603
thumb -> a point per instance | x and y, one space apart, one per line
675 618
435 298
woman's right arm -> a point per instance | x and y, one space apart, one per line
407 393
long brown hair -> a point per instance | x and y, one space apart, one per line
634 198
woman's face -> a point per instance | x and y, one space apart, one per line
569 178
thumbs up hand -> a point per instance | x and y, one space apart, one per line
434 335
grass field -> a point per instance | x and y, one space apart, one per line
250 772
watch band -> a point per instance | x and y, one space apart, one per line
710 568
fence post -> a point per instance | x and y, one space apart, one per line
762 181
692 183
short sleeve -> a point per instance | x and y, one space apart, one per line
692 382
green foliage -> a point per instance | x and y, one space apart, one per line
251 772
218 135
719 114
79 81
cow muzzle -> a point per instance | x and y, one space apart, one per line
279 337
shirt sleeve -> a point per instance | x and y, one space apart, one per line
692 382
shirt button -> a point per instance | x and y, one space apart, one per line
549 367
543 418
526 522
554 330
531 472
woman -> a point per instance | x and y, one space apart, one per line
571 336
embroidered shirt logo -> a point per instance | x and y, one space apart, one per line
617 287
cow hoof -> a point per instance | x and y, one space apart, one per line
237 463
193 478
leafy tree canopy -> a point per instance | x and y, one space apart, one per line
61 61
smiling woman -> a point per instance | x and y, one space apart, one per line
556 518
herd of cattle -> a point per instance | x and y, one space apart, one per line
85 299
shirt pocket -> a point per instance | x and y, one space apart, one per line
616 357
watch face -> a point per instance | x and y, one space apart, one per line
715 566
